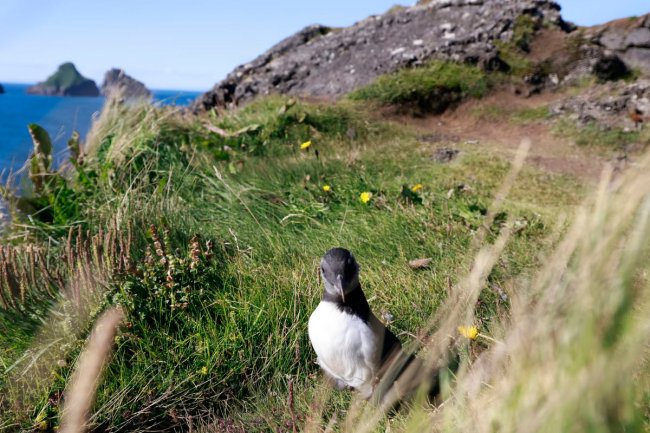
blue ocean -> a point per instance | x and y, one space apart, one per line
58 115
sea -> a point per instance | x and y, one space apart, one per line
59 115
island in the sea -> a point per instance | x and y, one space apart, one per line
66 81
2 89
117 82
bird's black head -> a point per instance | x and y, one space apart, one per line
340 273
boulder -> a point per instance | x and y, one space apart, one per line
613 105
117 82
66 81
323 62
627 38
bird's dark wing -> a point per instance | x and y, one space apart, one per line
391 346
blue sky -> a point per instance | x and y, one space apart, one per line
186 44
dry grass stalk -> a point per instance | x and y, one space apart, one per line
28 271
81 392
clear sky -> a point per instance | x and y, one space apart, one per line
187 44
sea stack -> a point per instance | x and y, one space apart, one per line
117 82
66 81
2 89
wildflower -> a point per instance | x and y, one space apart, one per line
365 197
305 145
204 370
417 187
469 332
327 188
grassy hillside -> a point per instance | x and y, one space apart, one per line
207 232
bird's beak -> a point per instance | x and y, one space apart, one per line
339 285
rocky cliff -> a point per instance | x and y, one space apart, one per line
116 81
629 38
2 89
66 81
321 61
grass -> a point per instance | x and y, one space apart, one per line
593 135
215 328
428 89
523 116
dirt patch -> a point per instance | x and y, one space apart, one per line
546 44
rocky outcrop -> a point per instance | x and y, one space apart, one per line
2 89
615 105
66 81
628 38
117 82
320 61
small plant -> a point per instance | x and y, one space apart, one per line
169 281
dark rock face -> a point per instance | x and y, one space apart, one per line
66 81
2 89
319 61
610 67
628 38
117 82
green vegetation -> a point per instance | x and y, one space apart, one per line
428 89
65 77
491 112
594 135
207 231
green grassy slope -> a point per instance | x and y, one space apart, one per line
208 232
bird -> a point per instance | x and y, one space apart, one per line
353 347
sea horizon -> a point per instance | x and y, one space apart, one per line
59 115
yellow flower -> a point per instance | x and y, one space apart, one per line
417 187
365 197
42 426
305 145
469 332
327 188
204 370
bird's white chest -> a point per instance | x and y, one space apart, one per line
347 348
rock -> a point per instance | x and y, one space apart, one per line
2 89
318 61
66 81
639 37
610 67
117 82
628 38
445 154
614 105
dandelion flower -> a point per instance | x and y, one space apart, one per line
204 370
365 197
417 187
305 145
327 188
469 332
